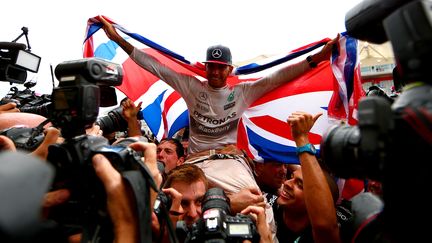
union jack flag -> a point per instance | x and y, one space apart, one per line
263 132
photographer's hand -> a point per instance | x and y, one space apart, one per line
51 137
130 113
120 201
6 144
9 107
176 209
150 160
54 198
130 110
95 130
259 216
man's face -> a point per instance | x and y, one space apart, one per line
271 174
192 196
217 74
166 153
291 196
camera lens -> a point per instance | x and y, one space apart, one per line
216 198
43 110
340 151
112 122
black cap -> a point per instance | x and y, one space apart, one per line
219 54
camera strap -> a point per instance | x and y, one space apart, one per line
141 191
420 120
167 221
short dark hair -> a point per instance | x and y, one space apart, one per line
179 146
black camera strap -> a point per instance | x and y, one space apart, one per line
141 182
420 120
167 220
141 191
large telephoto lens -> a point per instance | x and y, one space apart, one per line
112 122
216 198
340 151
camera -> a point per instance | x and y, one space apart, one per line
391 138
361 151
24 138
15 61
28 101
113 121
162 202
84 86
216 223
76 103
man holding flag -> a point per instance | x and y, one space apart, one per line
215 107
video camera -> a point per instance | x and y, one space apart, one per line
76 102
216 224
16 59
392 141
28 101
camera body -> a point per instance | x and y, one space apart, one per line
391 139
82 85
216 223
24 138
27 101
76 103
86 208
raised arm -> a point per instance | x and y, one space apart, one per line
130 113
177 81
318 197
114 36
291 72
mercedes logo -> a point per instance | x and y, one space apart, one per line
203 96
217 53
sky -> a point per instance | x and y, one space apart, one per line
250 28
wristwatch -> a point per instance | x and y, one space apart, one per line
311 63
308 148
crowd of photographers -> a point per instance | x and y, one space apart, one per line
185 193
184 189
186 198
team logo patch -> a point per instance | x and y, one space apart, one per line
217 53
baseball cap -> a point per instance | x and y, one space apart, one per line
219 54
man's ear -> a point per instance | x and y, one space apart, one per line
259 168
180 161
